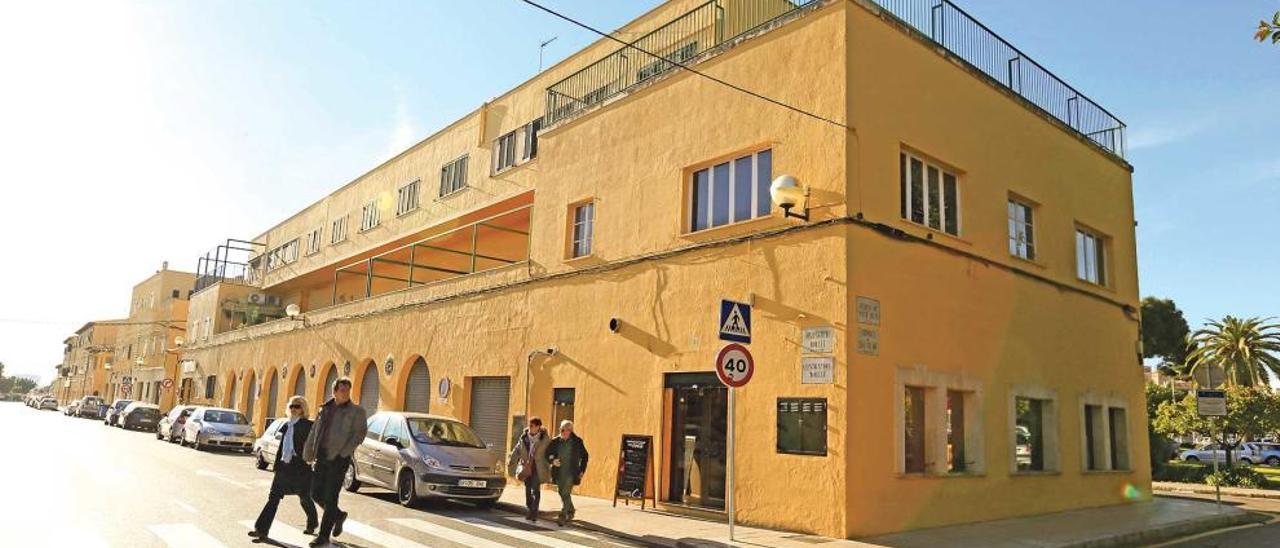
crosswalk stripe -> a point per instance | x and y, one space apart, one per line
446 533
521 534
377 536
281 532
185 535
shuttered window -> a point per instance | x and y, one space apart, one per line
417 395
490 401
369 389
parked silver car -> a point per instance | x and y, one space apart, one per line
266 446
49 402
113 412
170 426
419 456
139 415
217 427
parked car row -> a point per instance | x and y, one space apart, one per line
1248 453
42 401
206 427
88 406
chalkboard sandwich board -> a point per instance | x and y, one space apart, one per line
635 470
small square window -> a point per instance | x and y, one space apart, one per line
802 426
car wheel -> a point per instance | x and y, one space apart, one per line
1273 461
1247 462
261 464
406 491
1192 458
196 444
182 440
349 482
159 436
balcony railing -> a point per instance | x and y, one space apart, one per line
678 41
962 35
228 262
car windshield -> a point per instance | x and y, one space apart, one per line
147 411
444 432
122 404
225 417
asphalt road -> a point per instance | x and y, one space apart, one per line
1264 533
73 482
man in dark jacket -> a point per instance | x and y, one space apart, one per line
567 456
292 475
340 428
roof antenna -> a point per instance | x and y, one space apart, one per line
542 47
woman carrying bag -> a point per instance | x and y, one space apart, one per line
529 458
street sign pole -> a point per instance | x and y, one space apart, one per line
732 441
1217 485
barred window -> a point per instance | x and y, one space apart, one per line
407 198
313 241
369 215
339 230
453 176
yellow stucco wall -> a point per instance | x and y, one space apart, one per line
958 309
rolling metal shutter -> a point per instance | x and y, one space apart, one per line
417 396
232 404
369 390
272 394
490 403
253 398
328 382
300 385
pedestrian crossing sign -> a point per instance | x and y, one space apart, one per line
735 322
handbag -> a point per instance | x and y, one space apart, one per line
524 471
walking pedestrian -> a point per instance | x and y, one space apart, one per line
529 458
567 456
292 475
339 429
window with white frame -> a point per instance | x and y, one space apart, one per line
313 241
505 152
1021 229
283 255
584 215
338 232
370 217
529 137
1106 437
731 192
1091 257
453 176
930 194
407 198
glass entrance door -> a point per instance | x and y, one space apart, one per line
698 427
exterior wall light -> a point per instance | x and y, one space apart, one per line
787 193
292 311
179 341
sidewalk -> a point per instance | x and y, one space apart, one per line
1200 488
1140 523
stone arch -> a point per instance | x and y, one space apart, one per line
325 376
270 379
297 379
250 398
229 386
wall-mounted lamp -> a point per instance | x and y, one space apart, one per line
787 193
294 312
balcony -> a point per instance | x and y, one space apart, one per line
487 244
231 262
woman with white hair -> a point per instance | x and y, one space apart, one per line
292 475
567 456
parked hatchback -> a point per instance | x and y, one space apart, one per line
49 402
140 416
90 406
217 427
419 456
113 412
170 426
1209 452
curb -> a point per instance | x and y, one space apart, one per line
1200 489
1169 532
520 510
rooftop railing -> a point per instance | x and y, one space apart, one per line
962 35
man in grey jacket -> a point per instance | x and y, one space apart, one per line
340 428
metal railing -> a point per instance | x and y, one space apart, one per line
230 261
679 40
962 35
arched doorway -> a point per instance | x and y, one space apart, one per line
369 388
251 399
417 390
231 391
300 383
273 395
329 378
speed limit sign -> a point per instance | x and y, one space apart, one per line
734 365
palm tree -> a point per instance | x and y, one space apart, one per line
1246 350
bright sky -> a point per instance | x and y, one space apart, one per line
137 132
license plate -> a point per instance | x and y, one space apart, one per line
472 483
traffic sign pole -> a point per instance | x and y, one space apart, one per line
732 442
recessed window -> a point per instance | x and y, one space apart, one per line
283 255
407 198
338 233
1091 257
516 147
313 241
1021 230
731 192
210 383
913 421
530 138
453 176
930 196
1106 438
370 216
956 432
505 152
802 426
1034 434
584 216
564 400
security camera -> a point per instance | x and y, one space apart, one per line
615 325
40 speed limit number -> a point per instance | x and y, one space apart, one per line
735 365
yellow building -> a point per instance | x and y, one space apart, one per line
948 336
147 341
86 361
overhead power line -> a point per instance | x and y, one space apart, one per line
730 85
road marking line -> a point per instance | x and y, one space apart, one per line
446 533
282 533
185 506
184 535
377 536
218 476
536 538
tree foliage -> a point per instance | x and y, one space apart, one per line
1252 413
1164 333
1246 350
1269 29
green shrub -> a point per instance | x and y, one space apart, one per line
1238 476
1182 472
